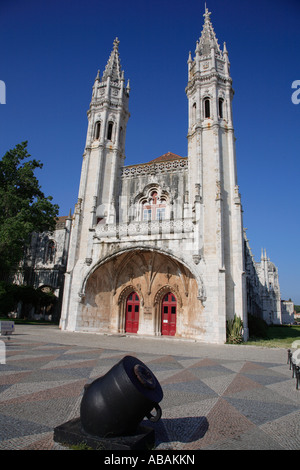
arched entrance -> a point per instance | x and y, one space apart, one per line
168 314
132 313
107 305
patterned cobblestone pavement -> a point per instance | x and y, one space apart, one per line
215 397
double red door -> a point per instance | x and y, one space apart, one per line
132 313
168 315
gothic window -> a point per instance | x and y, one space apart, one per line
97 131
155 207
221 110
110 130
50 252
207 108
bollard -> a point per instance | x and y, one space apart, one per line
297 372
115 404
289 359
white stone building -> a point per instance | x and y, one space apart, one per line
158 248
288 312
45 262
263 290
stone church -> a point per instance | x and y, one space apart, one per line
159 248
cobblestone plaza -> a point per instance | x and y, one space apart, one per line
215 397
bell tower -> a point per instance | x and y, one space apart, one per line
212 175
105 143
104 152
103 158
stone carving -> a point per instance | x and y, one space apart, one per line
144 228
154 168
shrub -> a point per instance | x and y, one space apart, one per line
234 330
11 294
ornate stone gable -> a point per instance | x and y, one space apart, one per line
155 167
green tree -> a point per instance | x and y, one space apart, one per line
23 206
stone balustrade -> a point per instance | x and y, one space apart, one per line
155 227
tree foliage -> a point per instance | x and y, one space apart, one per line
23 205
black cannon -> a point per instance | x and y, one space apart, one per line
115 404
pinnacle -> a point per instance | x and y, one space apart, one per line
208 37
113 66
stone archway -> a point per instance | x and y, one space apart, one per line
151 274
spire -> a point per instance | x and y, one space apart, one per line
113 66
208 38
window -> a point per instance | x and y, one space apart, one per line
154 208
110 130
161 213
97 131
50 252
194 112
147 214
221 102
207 108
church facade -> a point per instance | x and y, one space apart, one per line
159 248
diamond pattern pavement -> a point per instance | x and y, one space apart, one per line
220 402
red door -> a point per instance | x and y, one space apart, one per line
168 315
132 313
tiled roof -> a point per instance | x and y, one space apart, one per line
61 221
166 157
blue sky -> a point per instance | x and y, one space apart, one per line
50 54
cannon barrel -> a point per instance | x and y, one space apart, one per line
115 404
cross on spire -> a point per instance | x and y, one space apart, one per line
206 13
116 44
